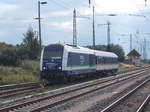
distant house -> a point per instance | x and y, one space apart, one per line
134 57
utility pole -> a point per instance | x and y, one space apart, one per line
130 42
145 53
39 21
74 28
108 36
141 49
145 3
89 3
93 28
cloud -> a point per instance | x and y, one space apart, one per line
62 13
118 6
4 8
2 34
56 14
115 6
61 25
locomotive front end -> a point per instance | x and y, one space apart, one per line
51 62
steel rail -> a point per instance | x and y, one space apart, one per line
75 96
13 86
19 90
111 106
143 105
67 99
5 109
15 92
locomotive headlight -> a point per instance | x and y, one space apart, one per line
59 67
44 68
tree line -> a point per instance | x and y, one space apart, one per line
117 49
29 49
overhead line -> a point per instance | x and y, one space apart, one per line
65 6
57 3
137 6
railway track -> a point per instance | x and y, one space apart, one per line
13 86
50 101
145 106
17 89
127 102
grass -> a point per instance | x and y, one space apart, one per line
123 67
26 72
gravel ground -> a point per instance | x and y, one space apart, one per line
35 94
147 108
51 101
133 102
97 100
48 91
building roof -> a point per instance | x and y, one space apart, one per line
134 53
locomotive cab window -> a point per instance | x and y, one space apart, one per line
53 54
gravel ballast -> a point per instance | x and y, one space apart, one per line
99 99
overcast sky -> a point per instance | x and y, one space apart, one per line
132 17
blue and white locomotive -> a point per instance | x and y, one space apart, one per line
63 61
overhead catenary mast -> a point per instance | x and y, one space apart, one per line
74 28
130 42
108 36
144 50
93 28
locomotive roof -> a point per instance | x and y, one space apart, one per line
79 49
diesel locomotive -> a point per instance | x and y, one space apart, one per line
64 62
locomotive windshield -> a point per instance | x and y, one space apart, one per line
52 57
53 52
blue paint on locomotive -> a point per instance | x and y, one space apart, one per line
52 57
75 62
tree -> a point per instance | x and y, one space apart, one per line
117 49
9 57
31 44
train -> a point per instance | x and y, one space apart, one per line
61 61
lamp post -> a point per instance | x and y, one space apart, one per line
39 20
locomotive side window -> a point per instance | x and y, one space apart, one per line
77 59
106 60
92 59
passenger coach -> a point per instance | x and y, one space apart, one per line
62 61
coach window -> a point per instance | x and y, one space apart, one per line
100 60
112 60
116 60
96 59
106 59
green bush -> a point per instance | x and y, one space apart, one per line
9 57
30 65
14 75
